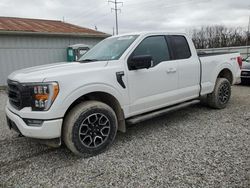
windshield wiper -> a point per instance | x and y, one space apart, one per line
88 60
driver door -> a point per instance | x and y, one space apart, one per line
156 86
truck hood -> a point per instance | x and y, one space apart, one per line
40 73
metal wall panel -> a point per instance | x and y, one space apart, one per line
243 50
17 52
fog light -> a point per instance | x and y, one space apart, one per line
33 122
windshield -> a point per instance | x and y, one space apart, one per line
109 49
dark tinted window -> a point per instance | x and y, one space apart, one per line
156 46
180 47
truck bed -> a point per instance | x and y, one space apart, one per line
211 64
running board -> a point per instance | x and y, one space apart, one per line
150 115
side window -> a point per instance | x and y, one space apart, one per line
156 46
180 47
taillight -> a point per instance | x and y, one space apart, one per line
239 60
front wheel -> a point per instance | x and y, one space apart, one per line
89 128
221 94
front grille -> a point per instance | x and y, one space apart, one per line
14 93
19 95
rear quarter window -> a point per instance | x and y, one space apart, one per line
180 47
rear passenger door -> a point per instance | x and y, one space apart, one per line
189 66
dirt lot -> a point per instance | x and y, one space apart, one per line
193 147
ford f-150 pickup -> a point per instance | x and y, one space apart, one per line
122 80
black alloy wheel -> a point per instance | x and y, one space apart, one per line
221 94
224 93
94 130
90 128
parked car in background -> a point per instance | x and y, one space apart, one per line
245 72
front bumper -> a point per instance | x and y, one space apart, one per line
49 129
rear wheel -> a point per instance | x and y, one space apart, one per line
90 128
221 94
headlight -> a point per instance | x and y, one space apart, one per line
43 95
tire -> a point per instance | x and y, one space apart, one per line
89 128
221 94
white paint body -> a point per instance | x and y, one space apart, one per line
168 83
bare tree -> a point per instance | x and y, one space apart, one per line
218 36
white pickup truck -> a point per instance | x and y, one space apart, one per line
123 79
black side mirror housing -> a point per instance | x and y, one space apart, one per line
140 62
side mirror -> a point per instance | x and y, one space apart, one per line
140 62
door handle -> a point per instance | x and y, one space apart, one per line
171 70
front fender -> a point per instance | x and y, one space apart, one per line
86 89
64 100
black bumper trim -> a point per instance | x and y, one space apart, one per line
12 125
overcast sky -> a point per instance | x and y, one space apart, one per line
136 15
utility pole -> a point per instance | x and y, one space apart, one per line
115 2
248 35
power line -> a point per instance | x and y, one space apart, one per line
166 4
87 12
115 2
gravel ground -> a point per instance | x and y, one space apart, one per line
193 147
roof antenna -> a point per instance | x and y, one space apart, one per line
63 19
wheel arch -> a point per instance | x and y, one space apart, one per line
226 73
106 98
